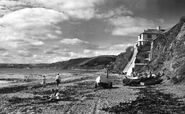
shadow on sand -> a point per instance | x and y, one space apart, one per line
150 101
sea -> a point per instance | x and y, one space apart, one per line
12 76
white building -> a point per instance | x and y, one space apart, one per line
149 35
143 50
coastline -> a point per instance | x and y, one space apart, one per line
80 96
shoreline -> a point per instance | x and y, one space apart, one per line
80 96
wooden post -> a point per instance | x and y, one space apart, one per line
107 72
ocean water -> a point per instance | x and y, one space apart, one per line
4 82
21 73
7 74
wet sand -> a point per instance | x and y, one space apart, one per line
80 97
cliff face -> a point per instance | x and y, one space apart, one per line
169 53
122 59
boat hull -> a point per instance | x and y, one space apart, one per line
142 81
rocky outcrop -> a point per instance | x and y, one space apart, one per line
122 59
169 53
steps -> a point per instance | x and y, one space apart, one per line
131 63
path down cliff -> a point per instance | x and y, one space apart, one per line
130 65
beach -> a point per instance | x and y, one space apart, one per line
78 96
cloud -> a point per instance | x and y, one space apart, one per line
31 29
56 47
58 32
57 59
14 42
7 6
120 11
6 54
33 19
128 25
109 50
25 53
83 9
160 20
77 43
88 51
70 55
2 49
112 50
62 53
74 41
82 13
37 43
30 26
120 47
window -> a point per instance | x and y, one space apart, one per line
149 36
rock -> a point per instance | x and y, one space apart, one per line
168 52
182 19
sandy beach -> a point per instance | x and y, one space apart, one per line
80 97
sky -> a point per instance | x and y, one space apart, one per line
47 31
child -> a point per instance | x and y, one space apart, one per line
58 96
55 96
43 80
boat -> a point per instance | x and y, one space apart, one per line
142 80
103 81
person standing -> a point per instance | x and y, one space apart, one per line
57 79
43 80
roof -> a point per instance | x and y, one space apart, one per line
153 31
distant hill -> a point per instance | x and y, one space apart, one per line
169 53
98 62
117 63
70 64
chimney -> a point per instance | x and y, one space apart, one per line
158 28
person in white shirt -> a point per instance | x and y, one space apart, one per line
57 79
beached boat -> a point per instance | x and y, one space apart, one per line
142 80
103 81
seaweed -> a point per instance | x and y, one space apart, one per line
149 101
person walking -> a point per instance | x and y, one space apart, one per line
57 79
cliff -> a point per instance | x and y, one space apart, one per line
122 59
169 53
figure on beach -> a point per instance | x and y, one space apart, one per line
43 80
55 96
57 79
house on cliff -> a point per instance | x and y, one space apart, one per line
143 50
145 46
149 35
